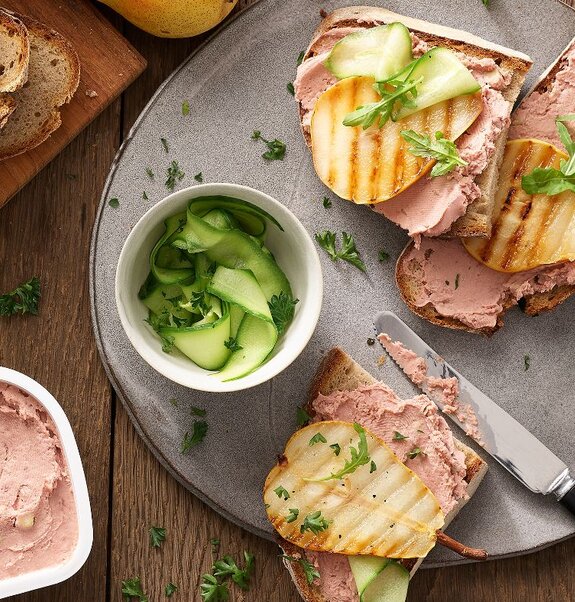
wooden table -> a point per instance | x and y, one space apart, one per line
45 230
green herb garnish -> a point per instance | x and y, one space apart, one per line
215 543
549 180
132 588
372 467
326 202
174 175
185 108
150 173
199 177
276 148
397 436
348 251
195 411
290 88
232 344
315 523
336 448
317 438
383 255
22 300
144 196
526 362
157 536
114 203
302 417
293 514
359 457
164 144
282 308
439 148
300 58
227 567
170 589
414 453
281 492
211 590
309 569
199 431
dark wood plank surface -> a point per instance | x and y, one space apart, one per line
45 230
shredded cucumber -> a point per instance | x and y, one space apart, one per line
210 286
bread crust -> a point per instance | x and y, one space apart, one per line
16 29
339 372
477 219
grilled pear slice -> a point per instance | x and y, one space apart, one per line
528 230
373 165
361 501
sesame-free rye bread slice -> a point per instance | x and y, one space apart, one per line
513 64
53 76
339 372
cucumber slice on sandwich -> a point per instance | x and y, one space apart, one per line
379 52
379 579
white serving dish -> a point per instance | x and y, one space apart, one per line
294 251
55 574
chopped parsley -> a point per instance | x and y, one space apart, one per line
414 453
22 300
383 255
326 202
317 438
302 417
281 492
170 589
227 567
232 344
174 174
157 536
282 308
211 590
199 431
276 148
132 588
293 514
397 436
300 58
315 523
215 543
348 251
185 108
290 88
526 362
149 173
195 411
336 448
309 569
199 177
165 144
144 196
372 467
114 202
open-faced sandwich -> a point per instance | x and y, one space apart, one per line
409 117
361 494
528 259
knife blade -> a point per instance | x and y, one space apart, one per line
505 439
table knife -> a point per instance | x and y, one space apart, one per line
511 444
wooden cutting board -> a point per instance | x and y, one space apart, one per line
109 64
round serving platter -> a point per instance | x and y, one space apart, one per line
236 83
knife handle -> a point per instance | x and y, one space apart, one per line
568 500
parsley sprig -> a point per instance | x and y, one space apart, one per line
22 300
311 573
359 457
276 148
393 92
315 523
213 588
348 251
198 434
132 588
439 148
157 536
232 344
549 180
282 308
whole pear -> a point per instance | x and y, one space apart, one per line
173 18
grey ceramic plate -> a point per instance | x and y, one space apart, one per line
237 83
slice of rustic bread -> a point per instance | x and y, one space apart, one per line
513 64
14 52
53 76
339 372
408 275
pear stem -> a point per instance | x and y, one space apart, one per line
459 548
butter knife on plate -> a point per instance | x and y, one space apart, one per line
511 444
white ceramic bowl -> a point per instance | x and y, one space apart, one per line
294 251
55 574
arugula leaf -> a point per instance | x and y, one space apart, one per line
211 590
282 492
282 308
276 148
199 432
132 588
232 344
336 448
157 536
309 569
302 417
315 523
393 92
293 514
185 108
549 180
170 589
174 175
359 457
442 150
22 300
317 438
348 251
